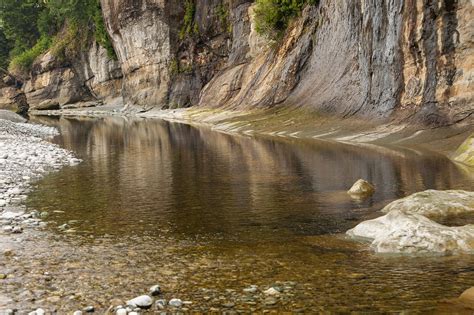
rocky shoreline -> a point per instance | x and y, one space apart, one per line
25 156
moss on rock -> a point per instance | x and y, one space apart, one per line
465 152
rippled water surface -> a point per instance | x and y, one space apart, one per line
207 214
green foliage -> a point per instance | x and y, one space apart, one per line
101 35
18 20
5 47
85 15
273 16
68 42
223 14
189 27
22 62
30 27
47 24
174 67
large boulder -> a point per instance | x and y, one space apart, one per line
435 204
11 116
409 226
11 96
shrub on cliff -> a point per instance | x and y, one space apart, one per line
21 63
189 26
84 18
273 16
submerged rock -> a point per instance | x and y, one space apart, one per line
272 291
143 301
408 226
361 189
155 290
175 303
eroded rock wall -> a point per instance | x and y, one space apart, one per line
377 59
53 84
101 74
140 33
90 76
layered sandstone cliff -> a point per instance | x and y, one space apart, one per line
390 59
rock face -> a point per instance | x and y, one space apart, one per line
389 59
53 84
140 33
101 74
382 59
163 65
90 77
409 226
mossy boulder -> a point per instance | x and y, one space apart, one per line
465 152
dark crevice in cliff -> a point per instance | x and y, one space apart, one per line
449 24
412 25
429 112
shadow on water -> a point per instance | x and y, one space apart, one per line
270 209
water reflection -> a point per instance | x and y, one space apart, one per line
139 174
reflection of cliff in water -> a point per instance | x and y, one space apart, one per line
195 180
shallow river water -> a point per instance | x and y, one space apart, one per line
206 214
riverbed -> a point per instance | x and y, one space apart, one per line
207 215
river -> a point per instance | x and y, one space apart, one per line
207 214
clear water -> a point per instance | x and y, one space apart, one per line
207 214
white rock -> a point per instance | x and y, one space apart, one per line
175 303
15 191
121 311
11 215
407 228
17 229
271 291
251 289
143 301
77 313
435 203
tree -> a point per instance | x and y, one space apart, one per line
18 18
5 47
